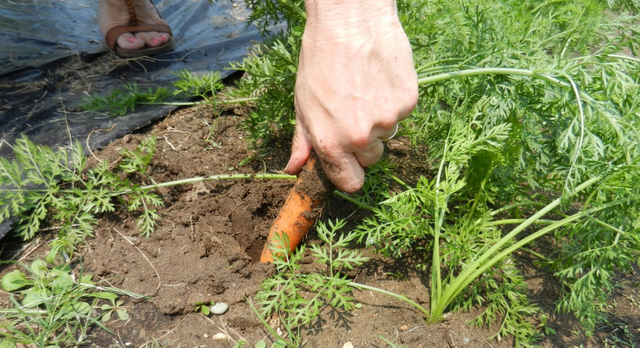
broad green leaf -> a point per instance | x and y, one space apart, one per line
82 307
15 280
7 344
123 314
32 299
38 267
106 316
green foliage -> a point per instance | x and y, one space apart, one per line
204 307
505 142
271 71
276 344
266 13
121 101
51 306
298 297
530 115
188 85
58 187
115 306
391 344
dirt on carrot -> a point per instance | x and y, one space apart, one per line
301 209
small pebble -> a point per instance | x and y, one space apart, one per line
348 345
220 336
219 308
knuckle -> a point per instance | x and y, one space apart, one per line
360 139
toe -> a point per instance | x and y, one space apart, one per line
130 42
153 38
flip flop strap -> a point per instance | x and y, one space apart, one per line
133 19
114 33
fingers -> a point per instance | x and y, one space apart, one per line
389 134
300 149
344 170
344 164
371 154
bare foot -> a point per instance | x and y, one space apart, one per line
114 13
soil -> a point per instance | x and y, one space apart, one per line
208 243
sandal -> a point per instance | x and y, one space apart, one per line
136 25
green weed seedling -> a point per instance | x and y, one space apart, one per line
261 344
391 344
115 306
204 307
546 329
51 306
188 86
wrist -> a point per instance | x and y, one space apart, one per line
329 20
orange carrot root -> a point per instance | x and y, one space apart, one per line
302 207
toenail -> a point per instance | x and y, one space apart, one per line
165 36
155 41
131 39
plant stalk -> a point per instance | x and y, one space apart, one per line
217 177
483 262
389 293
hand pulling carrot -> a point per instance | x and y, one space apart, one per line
302 207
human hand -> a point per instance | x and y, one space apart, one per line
356 80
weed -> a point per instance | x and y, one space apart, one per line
52 306
209 138
115 306
186 87
204 307
546 329
391 344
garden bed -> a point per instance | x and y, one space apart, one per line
207 243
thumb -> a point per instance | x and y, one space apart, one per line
300 149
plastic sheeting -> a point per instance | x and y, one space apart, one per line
52 55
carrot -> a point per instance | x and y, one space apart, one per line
302 207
